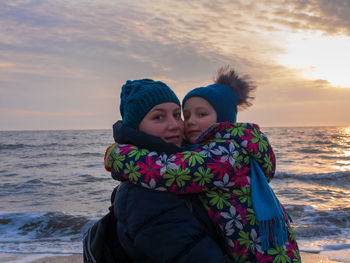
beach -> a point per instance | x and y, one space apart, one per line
78 258
314 258
40 258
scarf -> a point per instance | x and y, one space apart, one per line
268 211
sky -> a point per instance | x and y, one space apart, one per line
63 62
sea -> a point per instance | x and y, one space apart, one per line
53 187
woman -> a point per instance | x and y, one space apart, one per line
154 226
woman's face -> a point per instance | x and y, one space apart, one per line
199 115
164 120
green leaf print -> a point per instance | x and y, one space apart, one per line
218 198
238 161
193 157
237 130
267 164
297 258
250 217
131 171
291 234
257 157
204 201
244 195
179 176
136 153
117 161
280 254
259 138
246 160
240 258
244 239
217 140
203 176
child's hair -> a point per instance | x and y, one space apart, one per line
244 86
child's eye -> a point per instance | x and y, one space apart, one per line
202 114
186 116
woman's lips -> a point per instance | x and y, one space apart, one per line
175 138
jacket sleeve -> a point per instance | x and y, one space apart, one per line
259 148
250 137
127 135
216 164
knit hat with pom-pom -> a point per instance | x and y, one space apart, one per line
223 98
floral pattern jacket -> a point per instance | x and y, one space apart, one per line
218 169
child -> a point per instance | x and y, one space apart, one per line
225 168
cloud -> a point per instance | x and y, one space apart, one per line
73 56
331 17
24 113
89 30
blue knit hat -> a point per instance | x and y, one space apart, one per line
138 97
223 98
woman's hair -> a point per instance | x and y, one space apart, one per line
244 86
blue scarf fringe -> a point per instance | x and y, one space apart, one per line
273 232
268 211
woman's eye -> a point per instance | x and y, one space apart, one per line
158 117
177 115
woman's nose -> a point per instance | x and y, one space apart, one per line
174 123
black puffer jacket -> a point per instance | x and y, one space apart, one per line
156 226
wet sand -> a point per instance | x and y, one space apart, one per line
315 258
78 258
40 258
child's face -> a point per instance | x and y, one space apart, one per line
164 120
199 115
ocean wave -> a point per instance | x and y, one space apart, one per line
5 174
38 166
90 154
334 157
42 226
311 150
47 232
11 146
329 143
5 146
313 223
44 232
85 155
88 178
33 186
340 180
315 231
336 246
313 176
